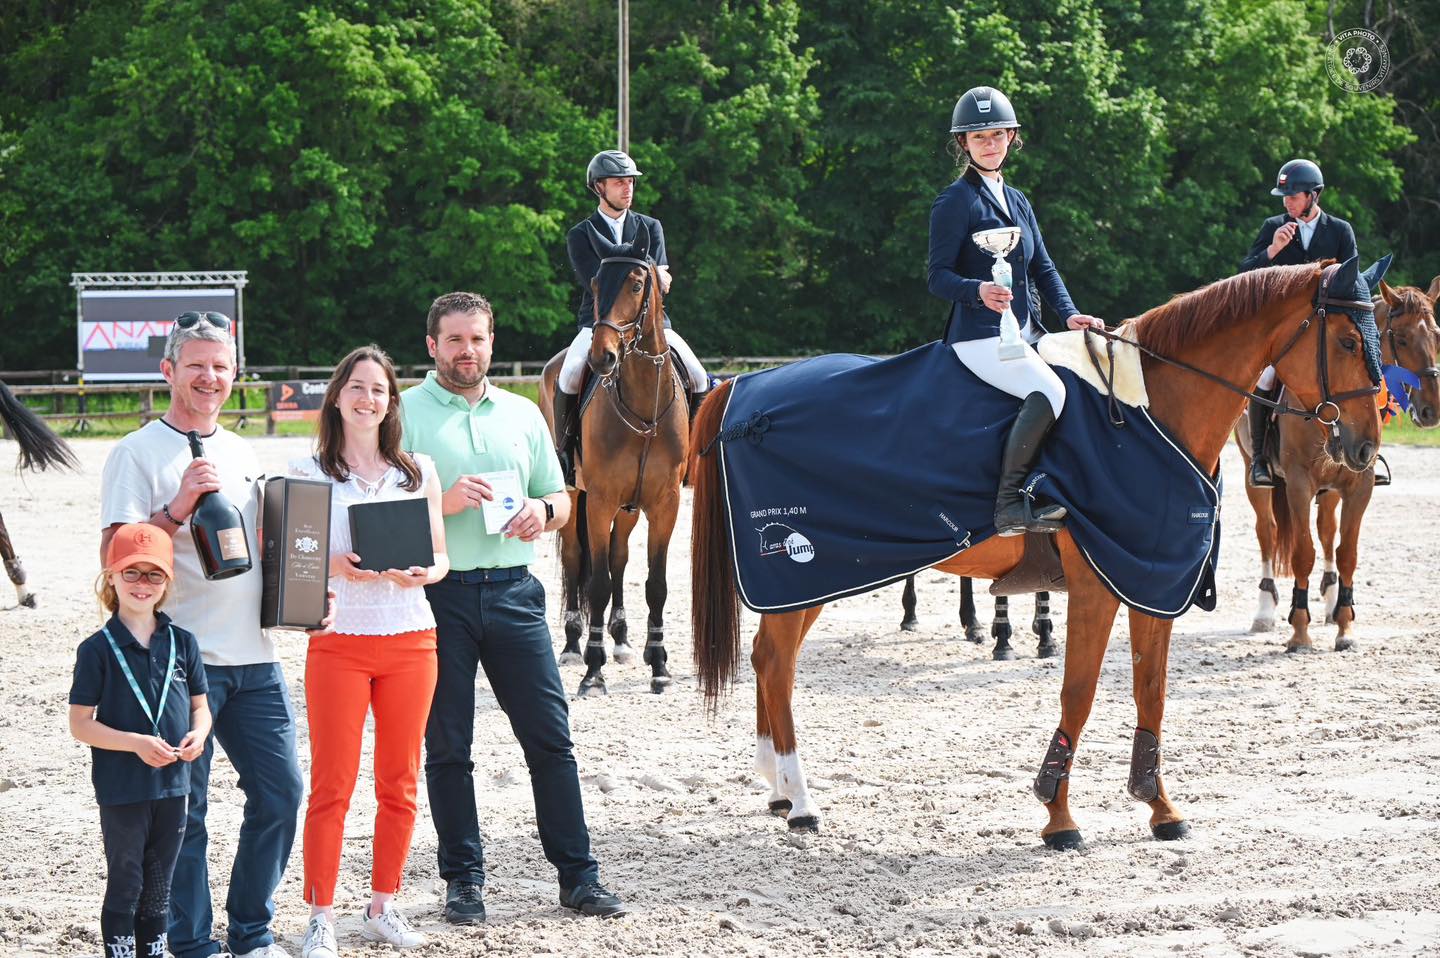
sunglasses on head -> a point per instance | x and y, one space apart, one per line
153 576
192 318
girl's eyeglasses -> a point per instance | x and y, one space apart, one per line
154 576
218 320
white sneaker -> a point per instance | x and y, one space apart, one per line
319 939
264 951
390 927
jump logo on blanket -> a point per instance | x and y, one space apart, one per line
778 539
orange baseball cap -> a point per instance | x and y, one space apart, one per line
138 542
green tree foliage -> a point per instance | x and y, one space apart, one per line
360 156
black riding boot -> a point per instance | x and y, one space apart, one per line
1260 475
565 433
1021 449
696 398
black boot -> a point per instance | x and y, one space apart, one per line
565 433
1260 475
696 398
1012 514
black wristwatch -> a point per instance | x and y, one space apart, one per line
549 511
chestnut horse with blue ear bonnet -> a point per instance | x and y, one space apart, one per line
1202 350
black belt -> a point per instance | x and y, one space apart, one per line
472 576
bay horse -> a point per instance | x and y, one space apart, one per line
40 449
1201 350
1000 629
1409 338
634 438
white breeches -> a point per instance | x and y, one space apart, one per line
1267 379
573 369
1018 377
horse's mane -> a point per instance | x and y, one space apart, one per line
1197 315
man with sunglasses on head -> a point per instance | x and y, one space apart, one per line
151 477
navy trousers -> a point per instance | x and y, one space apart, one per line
255 725
499 625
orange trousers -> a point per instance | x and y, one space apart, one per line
347 676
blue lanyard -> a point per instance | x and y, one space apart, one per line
135 686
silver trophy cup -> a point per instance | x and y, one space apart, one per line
998 243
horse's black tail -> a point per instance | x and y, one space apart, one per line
40 448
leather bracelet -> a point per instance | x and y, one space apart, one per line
165 508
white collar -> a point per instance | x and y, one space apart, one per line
617 223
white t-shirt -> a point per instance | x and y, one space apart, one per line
378 607
142 473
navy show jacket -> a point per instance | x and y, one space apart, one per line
1333 239
586 262
957 266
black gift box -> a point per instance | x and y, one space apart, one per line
392 534
296 553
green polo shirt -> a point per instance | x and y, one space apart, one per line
501 431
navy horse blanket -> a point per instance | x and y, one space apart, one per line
844 473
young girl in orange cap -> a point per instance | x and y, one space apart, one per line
138 700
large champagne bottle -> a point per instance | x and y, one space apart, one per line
219 530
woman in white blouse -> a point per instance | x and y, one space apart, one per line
380 656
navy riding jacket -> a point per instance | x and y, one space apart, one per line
958 266
1333 239
586 262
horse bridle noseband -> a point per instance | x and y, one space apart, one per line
1322 300
636 326
1429 372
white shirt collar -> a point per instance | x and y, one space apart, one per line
1307 230
617 224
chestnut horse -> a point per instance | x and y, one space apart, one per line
40 449
1410 339
634 438
1202 349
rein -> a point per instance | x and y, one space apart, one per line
646 429
1321 301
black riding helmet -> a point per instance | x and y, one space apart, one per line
608 163
1298 176
983 108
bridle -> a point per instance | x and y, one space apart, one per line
631 336
1429 372
1323 303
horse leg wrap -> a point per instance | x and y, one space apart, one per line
1144 784
1299 599
1328 579
597 638
654 635
15 571
1345 598
1055 769
574 617
1268 585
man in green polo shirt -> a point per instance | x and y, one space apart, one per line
492 450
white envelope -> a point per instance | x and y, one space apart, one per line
509 499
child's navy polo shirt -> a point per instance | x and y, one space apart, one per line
121 777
